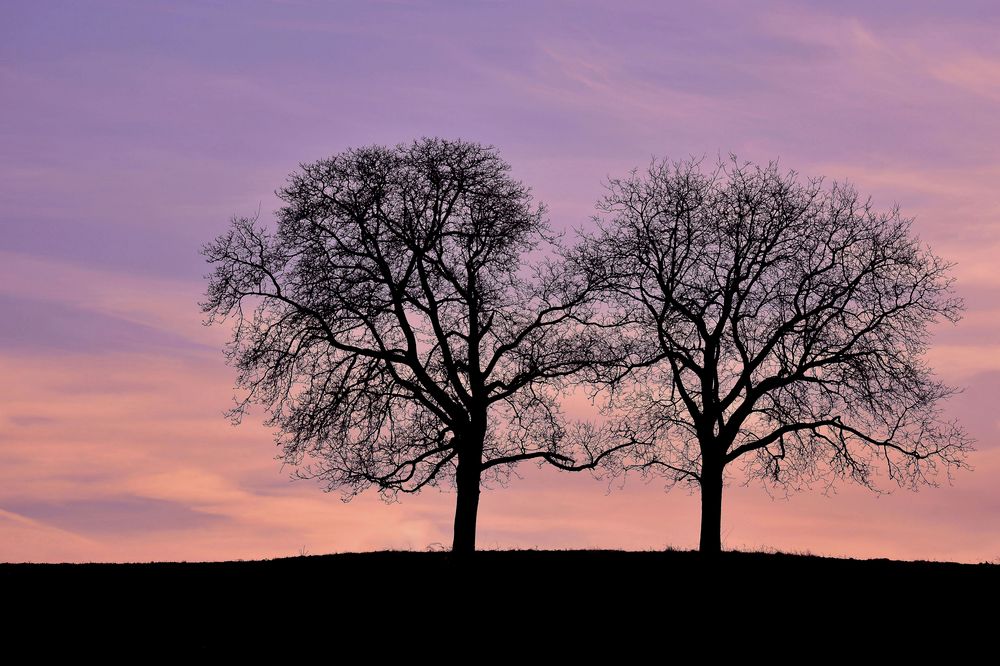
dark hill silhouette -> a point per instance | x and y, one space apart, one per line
576 596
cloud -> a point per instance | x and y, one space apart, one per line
168 305
112 516
972 73
41 327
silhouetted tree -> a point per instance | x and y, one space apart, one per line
409 321
771 321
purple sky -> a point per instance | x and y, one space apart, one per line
131 132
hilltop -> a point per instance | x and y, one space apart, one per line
591 595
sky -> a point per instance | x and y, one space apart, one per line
131 133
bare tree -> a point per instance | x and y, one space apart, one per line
408 322
772 321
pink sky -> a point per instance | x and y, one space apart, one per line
131 132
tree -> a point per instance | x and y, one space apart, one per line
408 322
771 321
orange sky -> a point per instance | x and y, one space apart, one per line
130 135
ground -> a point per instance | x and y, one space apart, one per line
505 598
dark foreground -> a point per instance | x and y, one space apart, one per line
584 597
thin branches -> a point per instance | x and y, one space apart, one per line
775 321
410 312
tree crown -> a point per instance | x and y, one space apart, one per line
409 309
772 320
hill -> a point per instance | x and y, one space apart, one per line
589 595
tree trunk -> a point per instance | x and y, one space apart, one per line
467 478
711 509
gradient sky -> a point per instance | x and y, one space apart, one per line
130 132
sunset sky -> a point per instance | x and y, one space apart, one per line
131 132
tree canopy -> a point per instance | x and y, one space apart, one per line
409 322
773 321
